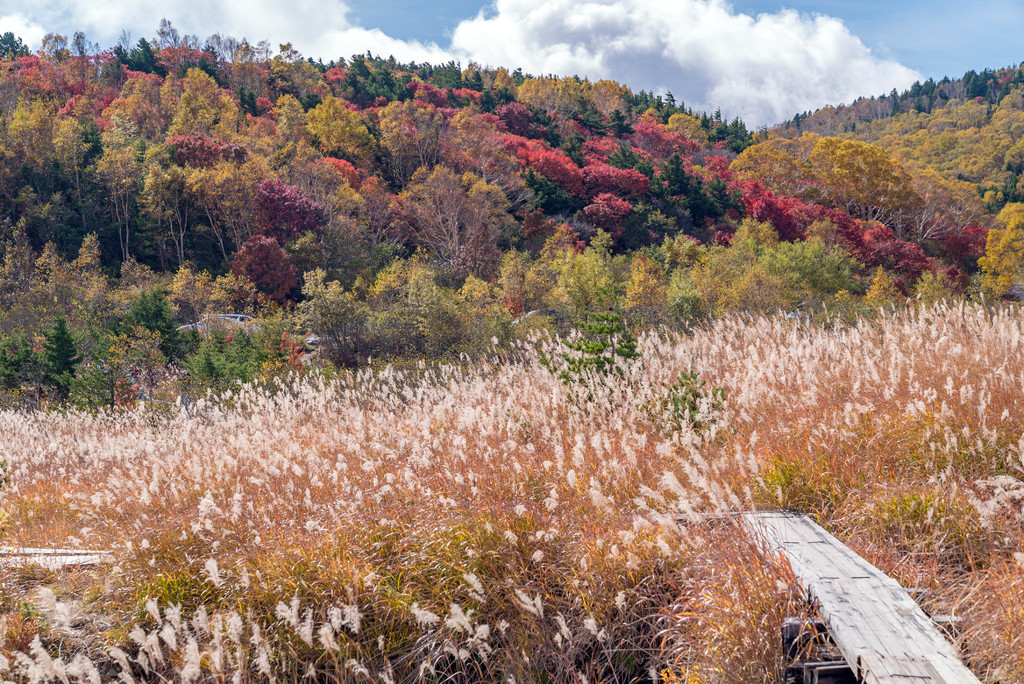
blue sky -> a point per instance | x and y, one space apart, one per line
935 37
762 60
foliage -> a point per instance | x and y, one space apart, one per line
16 360
339 320
285 212
646 301
933 288
962 128
59 358
223 358
263 262
760 273
13 46
1003 264
684 301
460 220
604 346
689 404
884 290
153 312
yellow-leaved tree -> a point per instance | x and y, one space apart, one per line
688 126
883 290
1002 266
203 108
646 293
340 132
191 291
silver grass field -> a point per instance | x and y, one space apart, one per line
488 522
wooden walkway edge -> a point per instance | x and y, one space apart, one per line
880 630
52 559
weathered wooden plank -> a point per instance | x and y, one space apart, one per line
53 559
883 634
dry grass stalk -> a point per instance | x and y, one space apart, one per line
480 522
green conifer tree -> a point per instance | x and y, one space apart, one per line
604 345
60 357
153 312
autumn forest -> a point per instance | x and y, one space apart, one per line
358 370
418 210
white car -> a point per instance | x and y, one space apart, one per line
229 321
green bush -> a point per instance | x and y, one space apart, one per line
689 403
603 346
223 359
153 312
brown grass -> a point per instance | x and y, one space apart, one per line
481 523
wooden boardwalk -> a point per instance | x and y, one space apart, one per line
52 559
880 630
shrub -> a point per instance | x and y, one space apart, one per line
265 263
689 404
603 346
154 312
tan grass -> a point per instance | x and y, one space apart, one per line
479 522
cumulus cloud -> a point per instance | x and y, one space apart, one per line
762 68
24 28
316 27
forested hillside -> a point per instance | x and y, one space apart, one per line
967 128
171 153
419 210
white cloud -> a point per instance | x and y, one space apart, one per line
763 69
22 27
318 28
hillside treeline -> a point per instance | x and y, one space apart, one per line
420 210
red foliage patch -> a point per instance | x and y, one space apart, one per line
517 119
335 79
966 245
607 211
783 213
429 94
651 137
600 178
285 212
262 260
353 175
554 165
884 249
471 96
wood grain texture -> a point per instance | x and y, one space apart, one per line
52 559
883 634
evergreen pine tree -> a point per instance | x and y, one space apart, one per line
60 357
604 345
153 312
